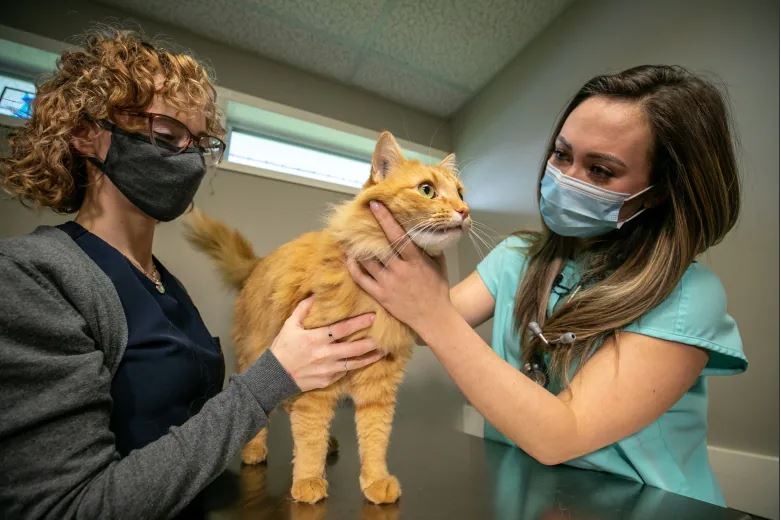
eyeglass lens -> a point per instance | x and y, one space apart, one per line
169 134
172 136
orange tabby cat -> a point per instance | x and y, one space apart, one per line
427 202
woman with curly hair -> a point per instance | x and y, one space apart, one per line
112 403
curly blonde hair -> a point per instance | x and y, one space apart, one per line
113 69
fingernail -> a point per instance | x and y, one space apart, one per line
373 204
371 317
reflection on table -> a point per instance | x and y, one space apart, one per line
444 474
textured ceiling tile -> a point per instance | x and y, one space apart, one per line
408 88
298 47
429 54
462 41
247 26
348 20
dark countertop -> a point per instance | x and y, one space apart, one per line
444 474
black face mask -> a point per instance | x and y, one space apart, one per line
162 186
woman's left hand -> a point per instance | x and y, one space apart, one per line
411 285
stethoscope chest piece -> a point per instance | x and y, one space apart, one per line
533 369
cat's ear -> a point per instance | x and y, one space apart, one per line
449 162
387 155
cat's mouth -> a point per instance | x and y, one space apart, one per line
444 230
434 240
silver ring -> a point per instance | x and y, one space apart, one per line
345 366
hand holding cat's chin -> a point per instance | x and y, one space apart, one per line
412 285
413 289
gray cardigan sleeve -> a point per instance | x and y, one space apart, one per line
57 453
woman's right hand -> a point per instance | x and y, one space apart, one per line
311 356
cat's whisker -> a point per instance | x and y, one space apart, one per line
431 141
489 246
414 233
488 240
393 244
408 232
422 229
490 237
475 235
401 242
437 225
485 227
480 248
467 164
485 231
477 248
414 219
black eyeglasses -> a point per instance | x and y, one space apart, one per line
172 137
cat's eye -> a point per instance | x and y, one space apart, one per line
460 194
427 190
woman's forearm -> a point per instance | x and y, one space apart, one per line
537 421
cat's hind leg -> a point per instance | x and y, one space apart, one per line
310 419
256 450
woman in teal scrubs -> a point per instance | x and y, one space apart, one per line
605 325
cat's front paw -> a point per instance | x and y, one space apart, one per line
309 490
383 491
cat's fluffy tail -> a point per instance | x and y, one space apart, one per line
228 248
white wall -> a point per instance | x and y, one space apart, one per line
501 137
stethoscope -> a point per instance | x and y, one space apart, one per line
536 369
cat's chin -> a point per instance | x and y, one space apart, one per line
434 242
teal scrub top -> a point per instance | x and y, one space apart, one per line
671 453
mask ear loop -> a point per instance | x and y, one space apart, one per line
619 224
639 193
105 125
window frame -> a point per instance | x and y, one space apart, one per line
225 96
281 175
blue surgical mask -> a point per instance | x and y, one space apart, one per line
574 208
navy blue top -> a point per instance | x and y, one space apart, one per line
171 365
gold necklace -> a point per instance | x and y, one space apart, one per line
153 275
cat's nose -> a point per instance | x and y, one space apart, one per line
464 212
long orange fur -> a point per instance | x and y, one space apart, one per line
314 263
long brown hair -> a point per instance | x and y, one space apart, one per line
113 69
629 271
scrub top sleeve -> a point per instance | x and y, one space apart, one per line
492 267
695 314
